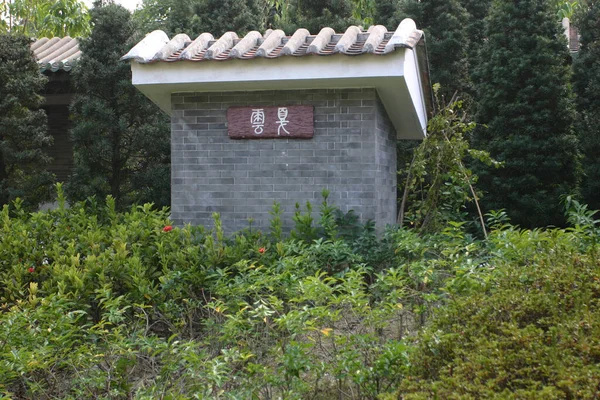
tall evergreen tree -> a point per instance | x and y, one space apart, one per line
194 17
444 23
220 16
121 140
317 14
525 101
586 83
386 13
23 130
477 11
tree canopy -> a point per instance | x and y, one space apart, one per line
525 104
45 18
317 14
121 139
196 16
23 136
586 83
444 23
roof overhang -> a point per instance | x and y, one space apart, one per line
395 76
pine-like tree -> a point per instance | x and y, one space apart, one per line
121 140
525 100
385 13
317 14
586 82
194 17
23 130
477 11
220 16
445 26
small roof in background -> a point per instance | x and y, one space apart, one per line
56 54
156 46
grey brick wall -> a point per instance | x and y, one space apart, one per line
352 154
386 189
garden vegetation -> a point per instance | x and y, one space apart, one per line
100 304
103 300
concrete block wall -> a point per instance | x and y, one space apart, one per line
387 172
352 154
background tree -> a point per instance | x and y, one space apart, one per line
477 11
317 14
438 186
65 18
196 16
39 18
524 99
444 23
364 11
385 13
153 14
220 16
23 135
121 140
567 8
586 83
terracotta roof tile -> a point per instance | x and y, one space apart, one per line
56 53
274 44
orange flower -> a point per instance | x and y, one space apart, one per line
262 250
167 228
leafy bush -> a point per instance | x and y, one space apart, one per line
532 333
102 305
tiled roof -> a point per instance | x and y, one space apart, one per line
56 53
157 46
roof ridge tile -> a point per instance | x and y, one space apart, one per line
274 44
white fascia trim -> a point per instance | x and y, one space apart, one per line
415 87
384 73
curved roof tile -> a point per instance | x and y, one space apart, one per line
274 44
56 54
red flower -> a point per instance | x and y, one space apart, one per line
262 250
31 270
167 228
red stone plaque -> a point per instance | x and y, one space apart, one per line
279 122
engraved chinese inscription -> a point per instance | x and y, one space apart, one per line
282 113
270 122
258 120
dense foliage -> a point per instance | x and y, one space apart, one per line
586 82
194 17
317 14
23 136
120 138
534 333
477 11
98 304
445 25
438 187
45 18
525 113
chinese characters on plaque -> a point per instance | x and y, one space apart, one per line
258 120
270 122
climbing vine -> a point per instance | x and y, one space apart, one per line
439 185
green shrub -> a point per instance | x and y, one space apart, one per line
101 304
532 333
96 304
